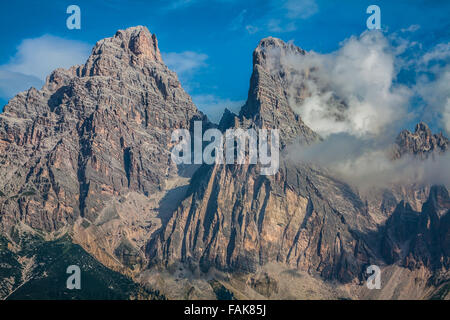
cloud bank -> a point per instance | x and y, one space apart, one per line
351 90
352 99
368 163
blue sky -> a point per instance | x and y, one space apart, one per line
209 42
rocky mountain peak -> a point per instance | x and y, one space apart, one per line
423 129
274 48
420 143
268 99
140 41
228 120
134 47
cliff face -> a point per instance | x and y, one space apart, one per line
90 152
88 155
267 105
234 219
420 239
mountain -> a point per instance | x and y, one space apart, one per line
89 153
92 132
86 169
420 143
234 219
267 104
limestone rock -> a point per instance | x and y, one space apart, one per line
89 153
420 143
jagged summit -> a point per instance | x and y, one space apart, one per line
134 40
131 56
276 48
135 47
140 41
268 100
422 127
229 119
421 143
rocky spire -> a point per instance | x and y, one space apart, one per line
140 42
420 143
274 49
134 46
268 102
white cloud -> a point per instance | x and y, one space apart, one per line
280 16
446 114
185 62
350 97
367 163
300 9
440 52
376 169
436 94
237 22
433 83
251 29
411 28
214 106
279 26
350 90
36 58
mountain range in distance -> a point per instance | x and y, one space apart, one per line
87 179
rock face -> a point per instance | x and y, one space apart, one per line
421 143
234 219
88 156
267 105
89 150
418 239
